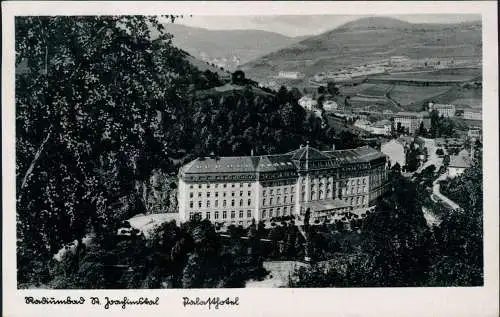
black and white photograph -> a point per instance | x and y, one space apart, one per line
277 151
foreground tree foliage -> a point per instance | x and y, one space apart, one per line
396 248
101 106
89 110
190 256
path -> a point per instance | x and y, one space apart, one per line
442 198
430 218
433 158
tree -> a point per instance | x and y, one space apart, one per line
321 101
412 158
399 128
321 90
238 78
332 88
421 130
295 93
89 105
397 168
439 152
347 101
446 160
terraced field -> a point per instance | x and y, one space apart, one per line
442 75
376 91
468 102
353 90
411 95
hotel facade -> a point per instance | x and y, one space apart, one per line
235 190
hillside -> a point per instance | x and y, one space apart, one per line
370 39
203 66
235 46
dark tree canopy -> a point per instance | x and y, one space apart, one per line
238 77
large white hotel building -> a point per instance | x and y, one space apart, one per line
235 190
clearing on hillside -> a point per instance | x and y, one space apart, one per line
415 95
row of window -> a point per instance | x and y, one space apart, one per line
216 194
278 200
224 214
278 191
320 196
278 183
216 185
216 203
278 212
356 200
322 182
356 190
352 189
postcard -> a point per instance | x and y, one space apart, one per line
250 158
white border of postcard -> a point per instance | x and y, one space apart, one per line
418 302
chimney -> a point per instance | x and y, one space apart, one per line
333 146
251 152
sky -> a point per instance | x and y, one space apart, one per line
301 25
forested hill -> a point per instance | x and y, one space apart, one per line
100 108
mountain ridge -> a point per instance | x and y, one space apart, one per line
370 38
235 46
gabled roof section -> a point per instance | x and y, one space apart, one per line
310 153
280 162
229 164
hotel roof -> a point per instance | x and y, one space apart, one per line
278 162
308 152
228 164
357 155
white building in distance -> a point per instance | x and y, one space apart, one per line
307 103
382 127
330 105
290 75
364 125
444 110
473 114
475 134
412 120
